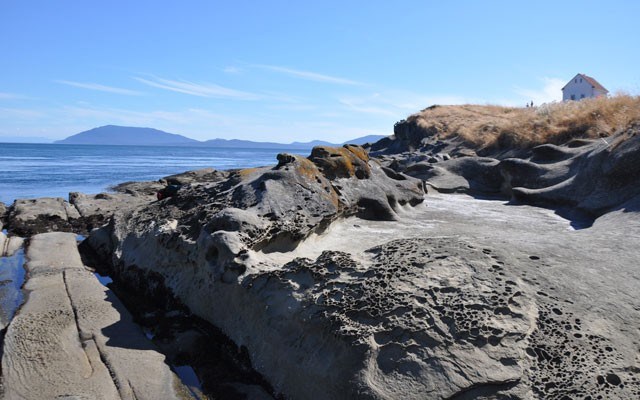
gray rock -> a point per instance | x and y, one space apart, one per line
31 216
197 176
446 301
467 174
95 210
602 176
138 188
593 176
74 339
3 214
80 215
460 299
411 289
209 232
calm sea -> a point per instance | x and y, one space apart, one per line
54 170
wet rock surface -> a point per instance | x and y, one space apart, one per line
12 276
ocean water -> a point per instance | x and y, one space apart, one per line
54 170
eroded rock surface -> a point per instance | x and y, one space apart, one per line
208 231
421 317
593 176
9 244
458 299
74 339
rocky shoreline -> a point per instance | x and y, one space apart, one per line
352 273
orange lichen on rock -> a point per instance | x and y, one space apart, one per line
341 162
246 172
310 174
359 151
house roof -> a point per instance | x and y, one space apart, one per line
590 80
594 83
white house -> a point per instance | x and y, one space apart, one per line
582 86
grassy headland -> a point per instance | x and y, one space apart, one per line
490 126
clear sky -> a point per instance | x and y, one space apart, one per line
295 70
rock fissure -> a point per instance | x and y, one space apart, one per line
81 338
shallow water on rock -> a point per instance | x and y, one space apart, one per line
190 379
104 280
12 276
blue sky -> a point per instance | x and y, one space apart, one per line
292 70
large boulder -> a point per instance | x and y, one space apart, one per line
31 216
200 245
95 210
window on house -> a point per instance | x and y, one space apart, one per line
582 96
573 97
580 80
575 80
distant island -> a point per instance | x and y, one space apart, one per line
133 136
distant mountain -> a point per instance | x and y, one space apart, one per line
365 139
311 144
125 135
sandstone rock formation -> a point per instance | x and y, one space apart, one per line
592 176
390 302
198 176
74 339
199 246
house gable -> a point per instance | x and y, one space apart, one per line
572 80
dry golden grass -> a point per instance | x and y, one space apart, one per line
508 127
